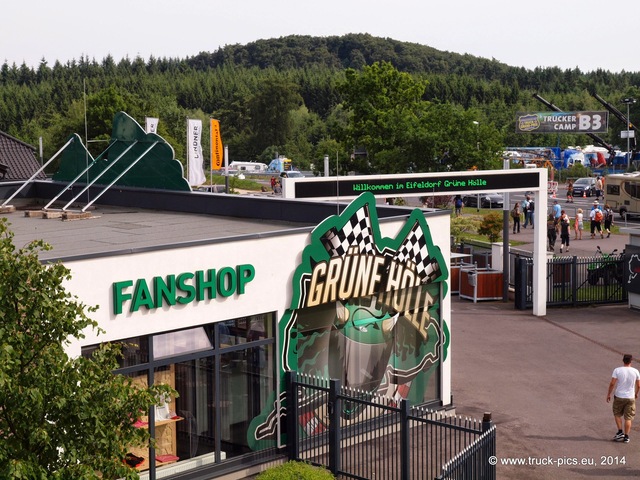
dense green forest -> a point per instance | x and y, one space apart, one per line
409 106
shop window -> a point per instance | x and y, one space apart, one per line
246 381
135 351
220 391
245 329
189 427
165 420
180 342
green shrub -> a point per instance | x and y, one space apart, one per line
491 226
295 471
463 226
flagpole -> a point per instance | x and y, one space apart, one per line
226 168
187 149
210 154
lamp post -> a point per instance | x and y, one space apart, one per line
628 101
477 135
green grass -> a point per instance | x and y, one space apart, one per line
473 214
235 182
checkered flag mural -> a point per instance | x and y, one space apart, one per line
356 232
414 249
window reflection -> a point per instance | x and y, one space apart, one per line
246 380
135 351
183 341
245 329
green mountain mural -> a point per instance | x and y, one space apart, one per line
134 158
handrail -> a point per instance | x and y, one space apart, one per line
95 160
120 176
100 175
38 172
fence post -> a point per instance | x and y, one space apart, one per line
405 441
292 407
487 469
574 280
520 284
487 423
335 407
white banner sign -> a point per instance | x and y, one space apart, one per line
151 124
194 152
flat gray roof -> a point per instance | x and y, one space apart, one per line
128 220
126 229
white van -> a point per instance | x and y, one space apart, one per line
622 193
248 167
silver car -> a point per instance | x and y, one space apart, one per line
484 200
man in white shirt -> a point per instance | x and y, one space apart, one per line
625 383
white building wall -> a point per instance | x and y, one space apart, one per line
274 258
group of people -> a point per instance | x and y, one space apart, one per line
276 188
558 222
599 189
527 208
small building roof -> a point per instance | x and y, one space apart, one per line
17 159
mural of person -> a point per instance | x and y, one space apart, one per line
378 329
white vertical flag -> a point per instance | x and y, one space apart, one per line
151 124
194 152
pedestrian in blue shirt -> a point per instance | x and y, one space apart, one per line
557 211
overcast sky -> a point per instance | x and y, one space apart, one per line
588 34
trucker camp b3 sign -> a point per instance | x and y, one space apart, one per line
562 122
365 310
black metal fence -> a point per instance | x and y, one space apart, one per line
470 464
574 280
364 436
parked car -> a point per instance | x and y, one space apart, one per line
291 174
214 188
486 200
584 186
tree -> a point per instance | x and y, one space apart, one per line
385 107
450 138
270 110
60 417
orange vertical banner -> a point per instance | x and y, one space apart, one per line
217 152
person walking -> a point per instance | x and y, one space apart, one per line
565 235
458 205
570 191
608 219
596 216
557 210
552 232
578 225
527 208
515 214
599 186
624 385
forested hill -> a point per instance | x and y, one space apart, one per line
347 51
357 50
287 95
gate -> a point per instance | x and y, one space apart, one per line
365 436
574 281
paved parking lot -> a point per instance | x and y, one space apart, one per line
545 381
